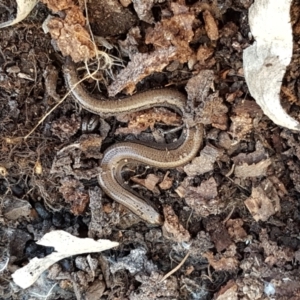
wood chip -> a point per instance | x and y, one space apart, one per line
172 229
210 26
149 182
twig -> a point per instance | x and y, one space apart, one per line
189 218
229 215
55 106
176 268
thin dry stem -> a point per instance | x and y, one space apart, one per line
176 268
56 105
108 63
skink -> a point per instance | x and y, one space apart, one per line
116 156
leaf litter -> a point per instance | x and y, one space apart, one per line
235 213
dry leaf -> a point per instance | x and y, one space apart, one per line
259 205
253 164
140 66
149 182
204 53
199 86
245 113
69 160
205 162
212 111
144 10
58 5
203 199
218 233
254 170
228 292
65 245
172 229
72 39
266 60
170 32
167 182
14 208
223 263
130 45
274 254
235 230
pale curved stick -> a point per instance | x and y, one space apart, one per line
23 10
266 60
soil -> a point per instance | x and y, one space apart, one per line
231 215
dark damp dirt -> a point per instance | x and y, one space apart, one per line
234 210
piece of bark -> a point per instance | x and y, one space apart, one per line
172 229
